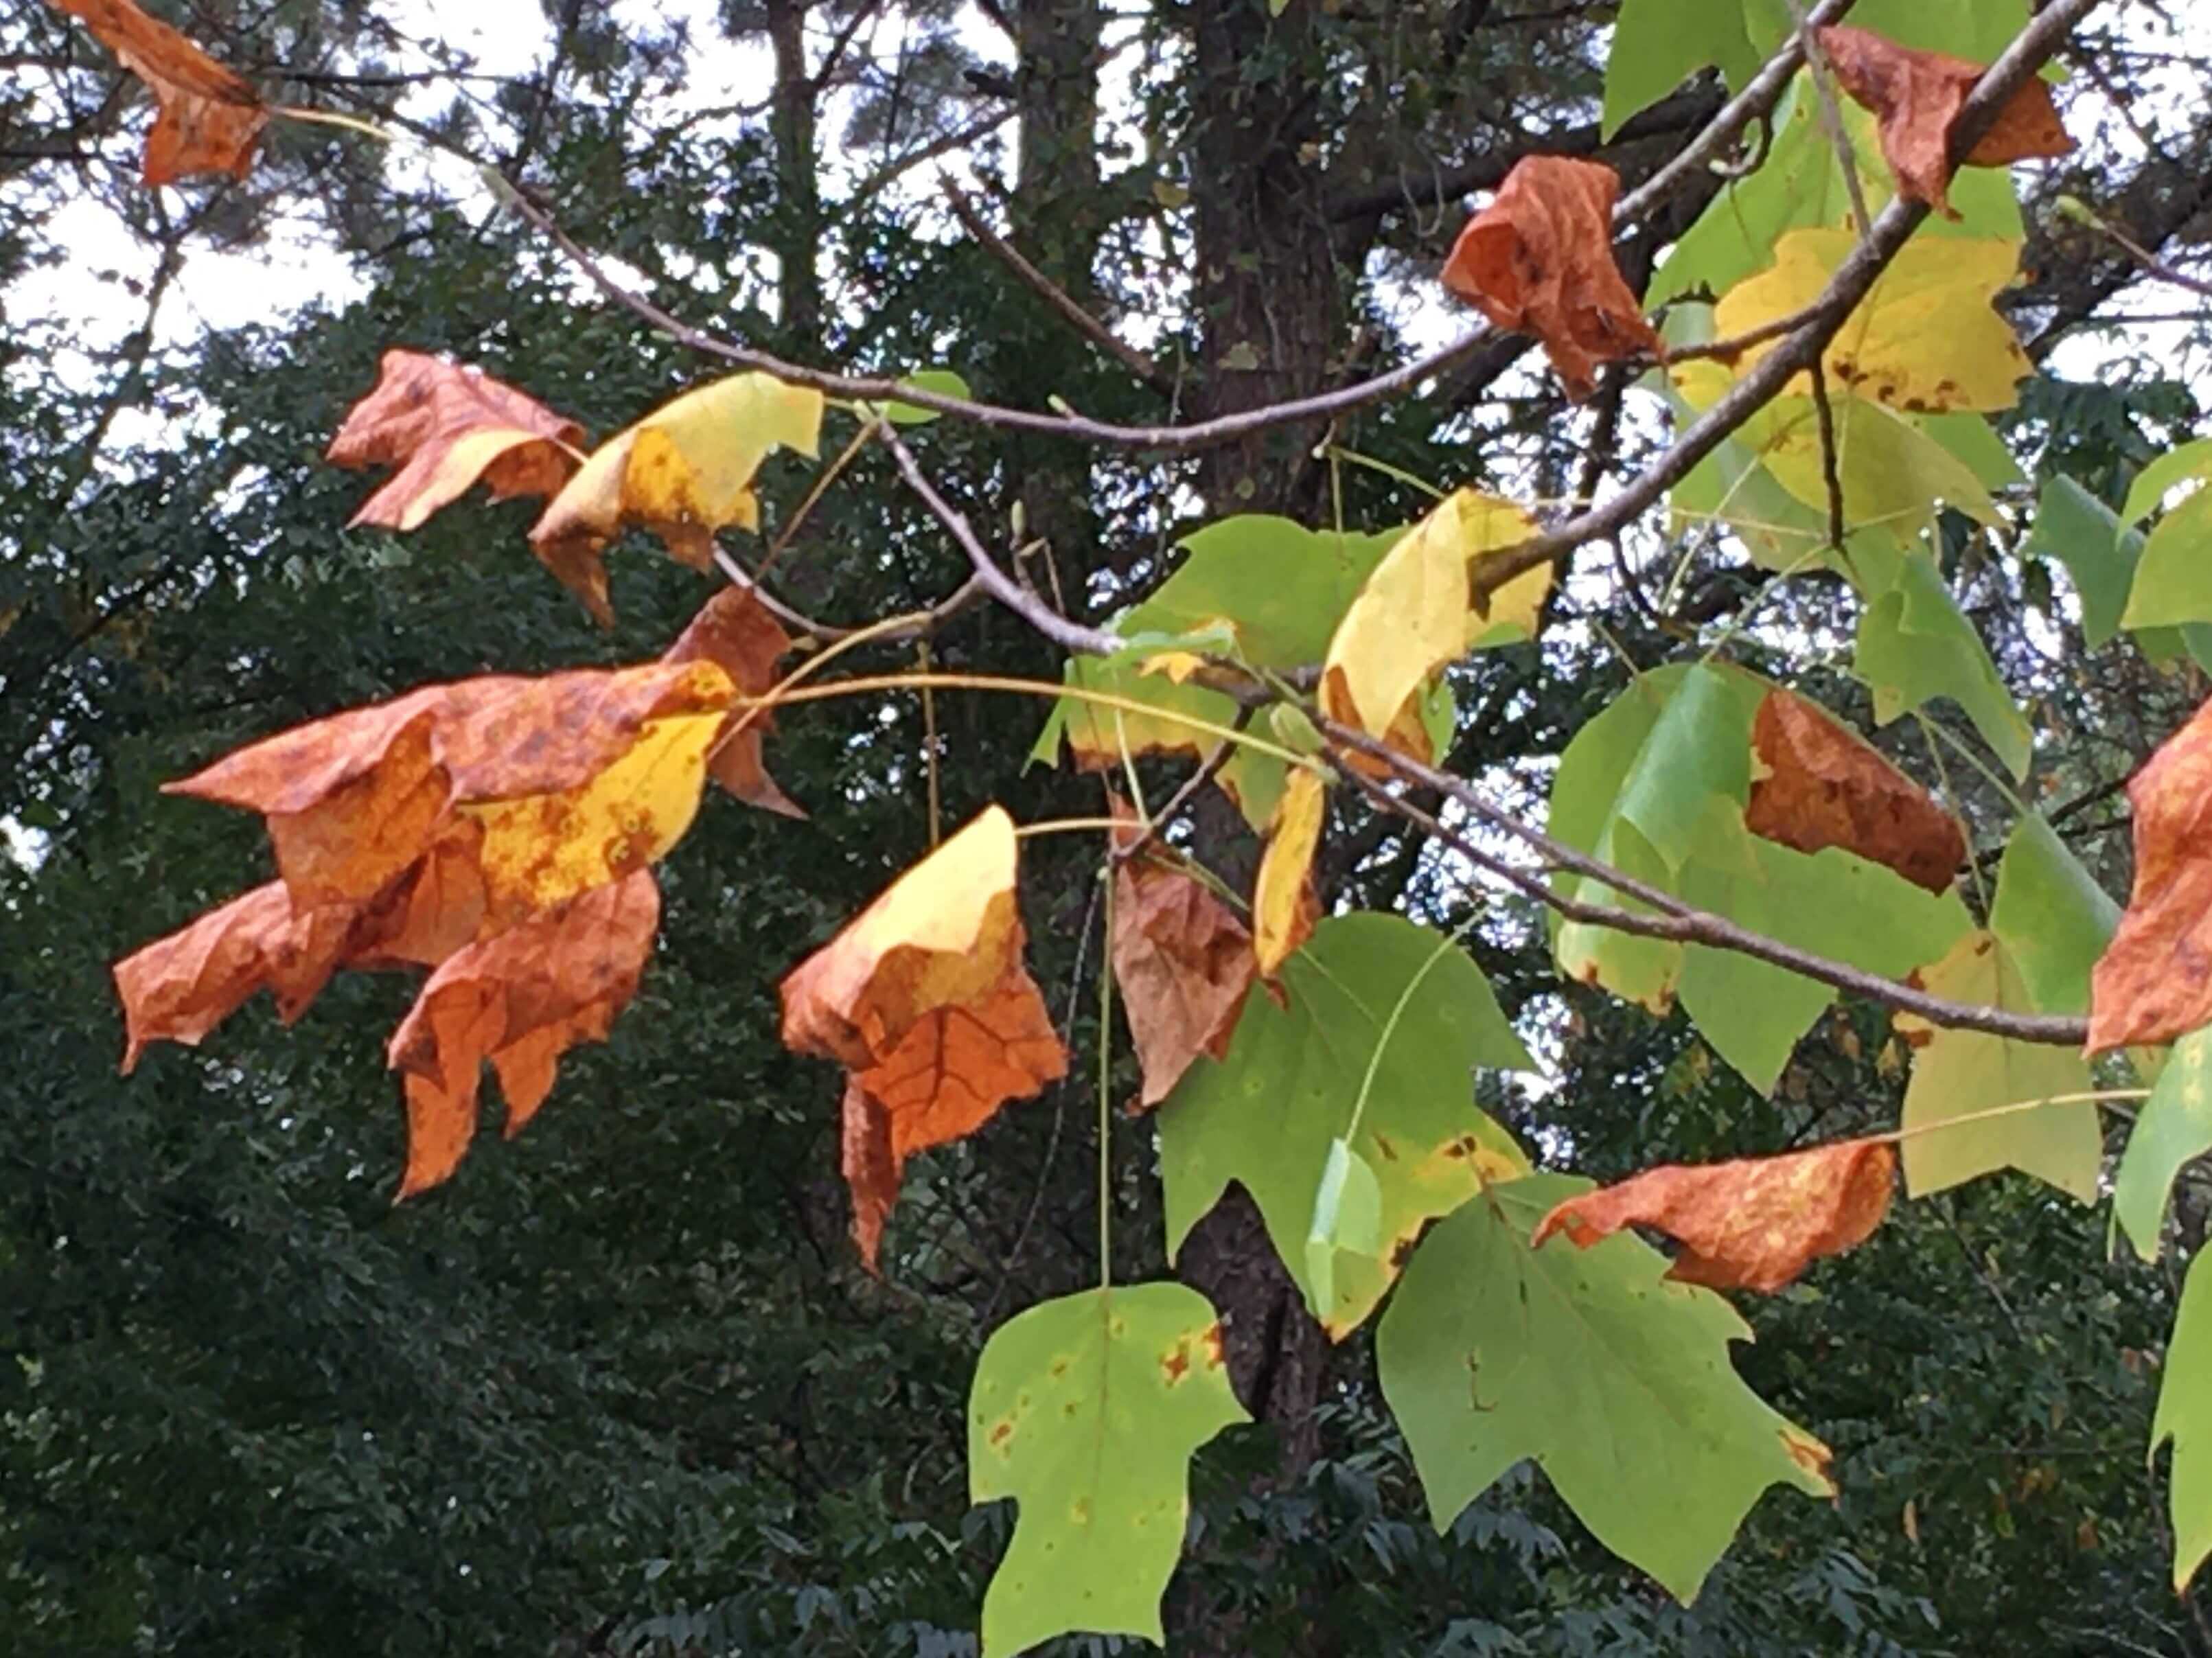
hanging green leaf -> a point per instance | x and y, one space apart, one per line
1087 1410
2185 1416
943 381
1269 1115
2176 1125
2174 581
2051 916
1613 1378
1915 645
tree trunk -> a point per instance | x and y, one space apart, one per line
792 126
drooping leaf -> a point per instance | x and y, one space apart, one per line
1414 615
2170 584
1539 259
1087 1410
1915 645
734 631
1958 1073
2185 1416
683 471
1925 340
1916 95
1347 1218
943 381
520 1000
446 425
1832 903
209 118
1822 785
1265 1115
2083 534
924 999
2154 981
2052 918
1183 962
1283 906
2174 1126
1755 1224
1616 1381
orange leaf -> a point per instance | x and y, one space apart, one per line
520 1000
1539 259
924 999
574 780
736 633
1916 95
446 425
1824 786
1284 906
1750 1224
2153 982
1183 962
209 118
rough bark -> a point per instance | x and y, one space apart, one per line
792 127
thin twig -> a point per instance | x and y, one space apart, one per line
1832 476
1186 791
1136 362
1831 116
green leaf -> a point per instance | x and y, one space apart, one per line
1831 902
943 381
1275 591
1659 44
1801 183
1915 645
2185 1416
2083 534
2174 581
2052 917
1616 1380
2176 1125
1087 1410
1269 1114
1347 1215
1958 1073
1633 788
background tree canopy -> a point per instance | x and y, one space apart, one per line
624 1386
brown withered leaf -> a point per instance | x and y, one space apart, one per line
1916 96
573 779
924 999
520 1000
446 425
1183 962
209 118
1824 786
1539 260
2153 982
734 631
1755 1224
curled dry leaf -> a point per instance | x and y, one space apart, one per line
1822 785
1539 259
1755 1224
2153 982
572 780
1415 614
1916 96
209 118
1285 909
734 631
520 1000
446 425
1183 962
924 999
683 471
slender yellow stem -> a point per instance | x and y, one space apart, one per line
1068 826
1337 452
1106 1099
813 497
929 745
781 690
2094 1097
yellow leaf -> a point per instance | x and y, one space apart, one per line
544 848
1926 340
1280 916
685 470
1414 614
1956 1073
